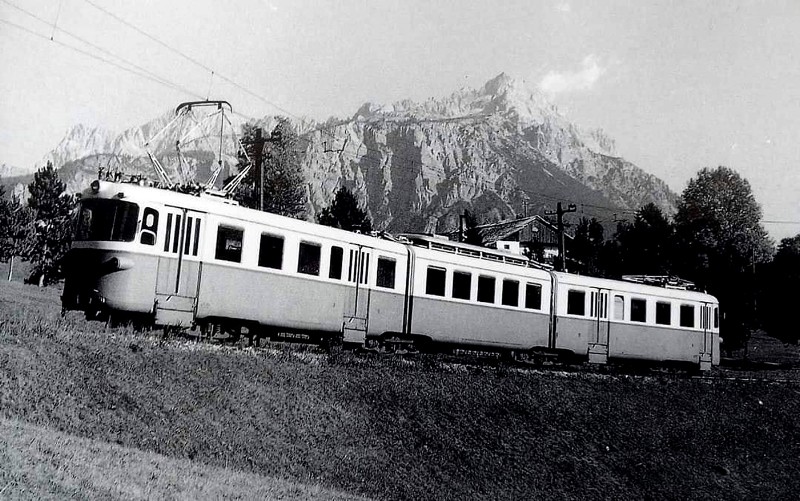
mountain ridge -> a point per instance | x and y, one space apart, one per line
499 150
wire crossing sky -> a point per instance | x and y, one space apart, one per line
678 85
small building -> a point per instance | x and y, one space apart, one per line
532 236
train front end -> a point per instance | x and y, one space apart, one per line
111 268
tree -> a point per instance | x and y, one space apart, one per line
52 232
345 213
645 246
586 248
471 233
15 227
720 241
279 157
777 297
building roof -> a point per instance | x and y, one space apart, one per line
492 232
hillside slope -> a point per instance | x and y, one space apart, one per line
390 428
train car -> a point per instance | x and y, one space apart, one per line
478 298
189 262
609 319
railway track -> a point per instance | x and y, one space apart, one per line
297 346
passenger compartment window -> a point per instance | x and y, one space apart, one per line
716 317
229 243
462 285
687 315
386 269
270 251
510 293
576 302
149 226
486 289
638 310
337 257
619 308
533 296
308 258
434 284
663 313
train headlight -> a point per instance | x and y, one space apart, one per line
95 186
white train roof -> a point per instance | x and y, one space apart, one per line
632 287
225 208
462 252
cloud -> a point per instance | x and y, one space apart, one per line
581 80
563 7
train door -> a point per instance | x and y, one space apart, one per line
356 316
179 267
598 337
707 344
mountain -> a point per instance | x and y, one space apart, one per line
494 150
499 150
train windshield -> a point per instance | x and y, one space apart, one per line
107 220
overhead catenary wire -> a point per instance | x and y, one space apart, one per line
134 68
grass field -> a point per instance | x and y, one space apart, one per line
125 414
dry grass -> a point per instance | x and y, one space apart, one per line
388 429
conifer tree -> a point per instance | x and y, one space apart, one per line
345 213
471 233
52 231
280 157
15 227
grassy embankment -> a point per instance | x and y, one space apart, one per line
296 425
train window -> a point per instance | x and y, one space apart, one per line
716 317
168 233
229 243
196 236
576 302
337 257
308 258
351 270
434 284
363 268
638 310
486 289
187 238
533 296
149 226
270 251
177 234
462 285
386 267
663 313
619 308
687 315
510 293
107 220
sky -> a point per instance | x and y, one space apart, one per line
680 85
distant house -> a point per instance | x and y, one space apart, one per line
531 236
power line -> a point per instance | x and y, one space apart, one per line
141 71
94 56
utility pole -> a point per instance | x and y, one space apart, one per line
559 212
